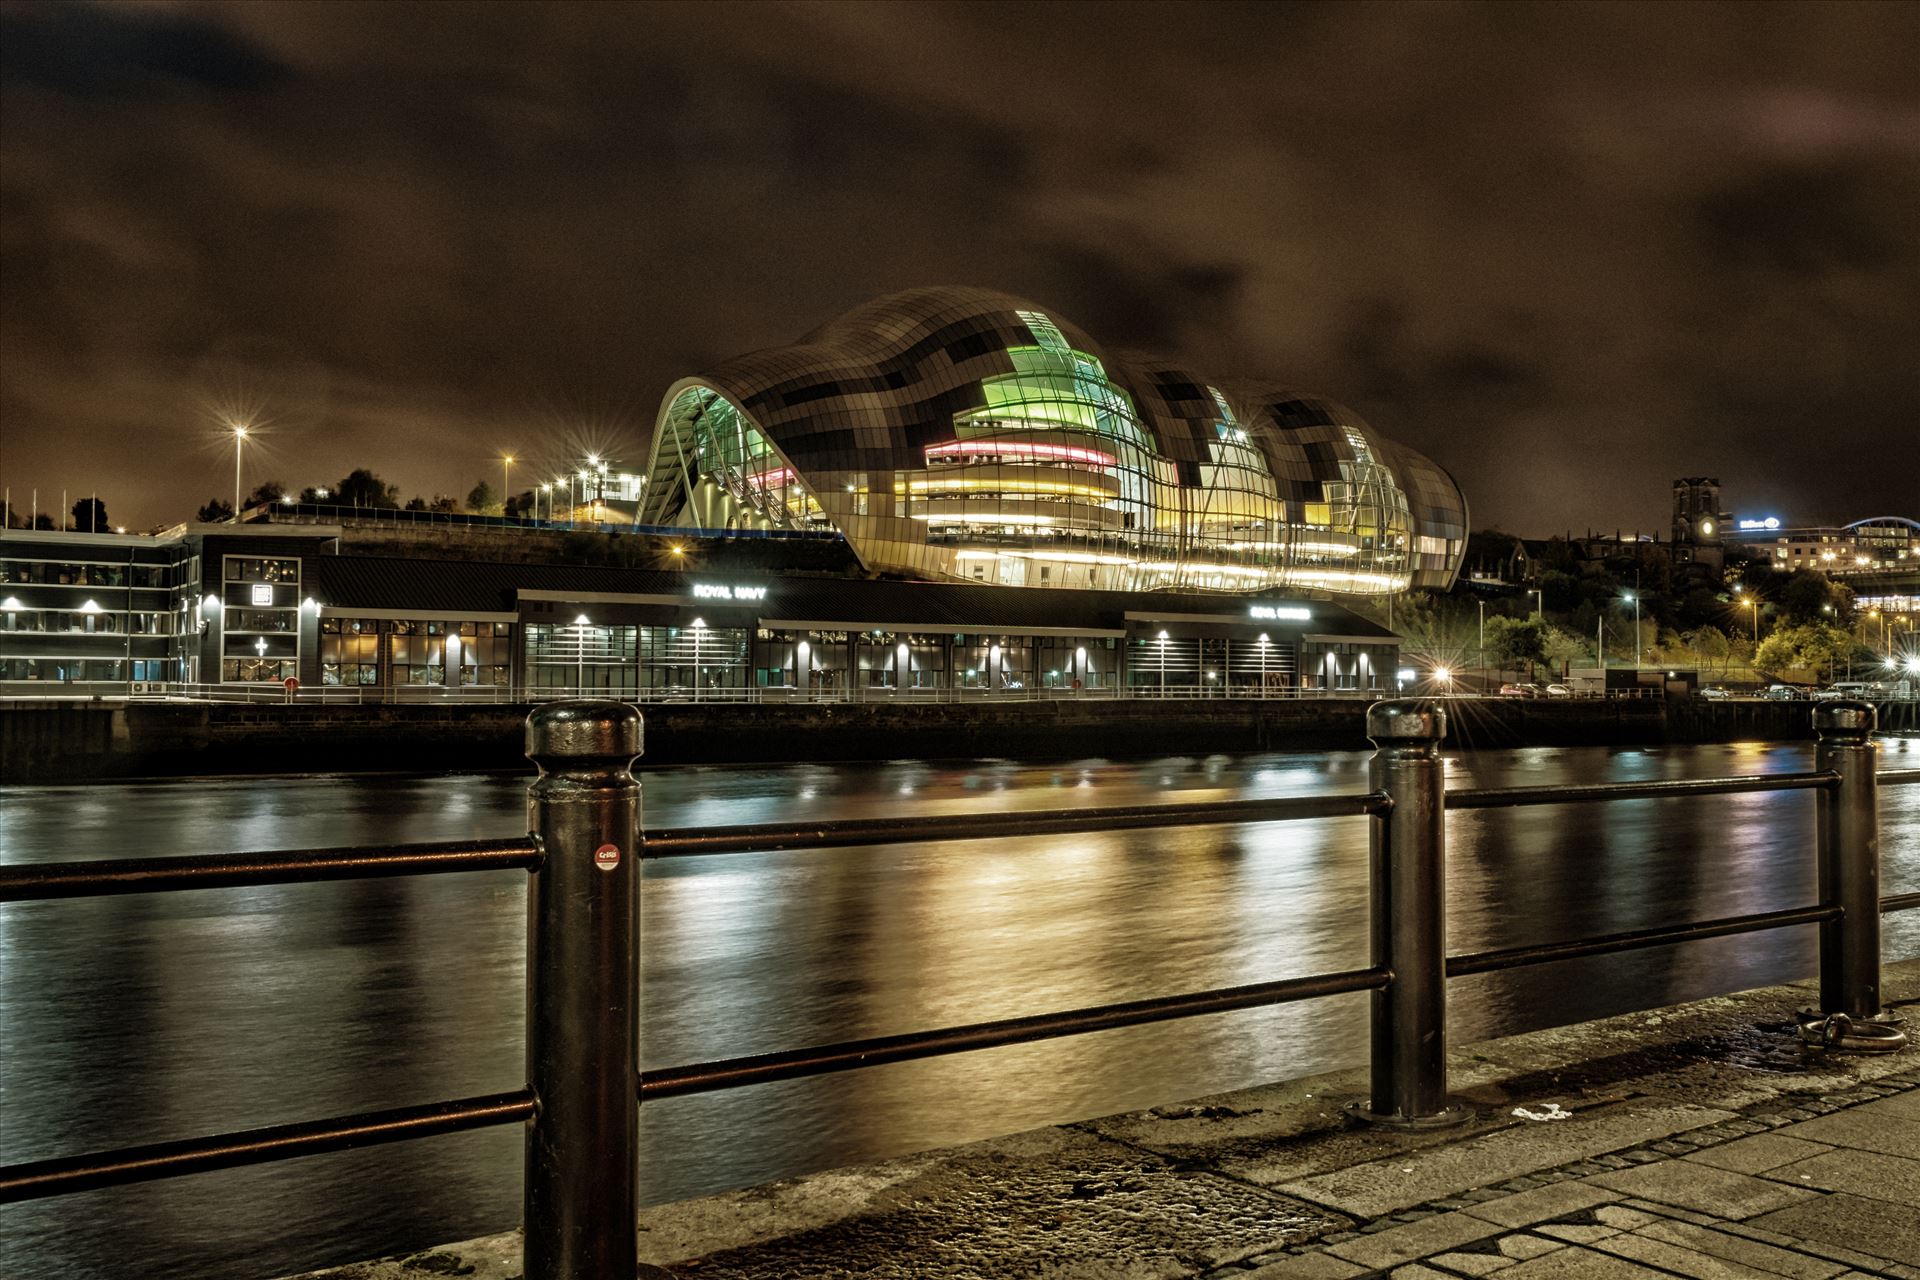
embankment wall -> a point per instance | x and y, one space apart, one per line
57 741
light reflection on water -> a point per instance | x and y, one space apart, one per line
150 1017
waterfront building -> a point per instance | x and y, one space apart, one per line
228 608
956 434
1875 546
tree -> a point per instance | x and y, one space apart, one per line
1563 649
216 511
43 521
90 516
1810 596
362 488
266 491
1809 647
1709 645
1516 641
416 503
484 500
444 504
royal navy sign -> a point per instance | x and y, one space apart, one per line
722 591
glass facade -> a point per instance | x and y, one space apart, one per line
90 610
401 652
958 434
260 619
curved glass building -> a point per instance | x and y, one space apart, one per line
955 433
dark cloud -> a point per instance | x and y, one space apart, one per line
1799 222
1571 251
91 51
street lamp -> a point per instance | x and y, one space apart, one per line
1634 600
1480 660
506 480
239 439
580 625
546 487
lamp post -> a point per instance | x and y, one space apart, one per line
506 480
1481 605
580 653
239 439
1634 600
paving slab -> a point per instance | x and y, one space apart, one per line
1883 1132
1877 1228
1306 1266
1478 1262
1813 1247
1576 1263
1382 1186
1739 1249
1864 1173
1904 1105
1679 1259
1759 1153
1541 1203
1721 1192
1415 1240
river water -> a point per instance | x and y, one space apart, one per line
151 1017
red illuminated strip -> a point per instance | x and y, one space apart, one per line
1020 449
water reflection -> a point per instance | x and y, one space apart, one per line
145 1018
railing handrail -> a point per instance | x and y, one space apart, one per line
39 881
24 882
575 844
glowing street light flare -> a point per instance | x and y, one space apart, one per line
239 439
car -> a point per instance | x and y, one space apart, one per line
1868 689
1714 693
1784 692
1519 690
1559 691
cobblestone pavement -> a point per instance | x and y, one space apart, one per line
1701 1141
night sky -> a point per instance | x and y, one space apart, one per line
1571 252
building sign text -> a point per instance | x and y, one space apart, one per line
716 591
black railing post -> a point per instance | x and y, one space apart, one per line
1847 841
1409 916
583 993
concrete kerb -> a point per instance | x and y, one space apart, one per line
1273 1181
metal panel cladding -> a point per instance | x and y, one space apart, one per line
956 433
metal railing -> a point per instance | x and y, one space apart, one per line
581 1099
269 694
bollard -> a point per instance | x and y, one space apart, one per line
1847 841
583 993
1409 916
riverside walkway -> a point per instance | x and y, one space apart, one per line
1702 1140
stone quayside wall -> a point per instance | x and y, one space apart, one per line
53 741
